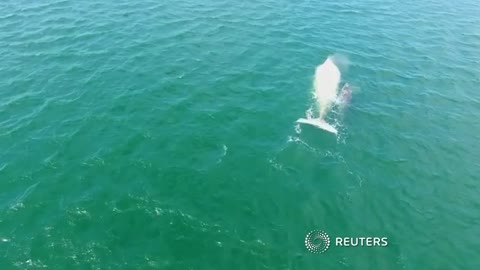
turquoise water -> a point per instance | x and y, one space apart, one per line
162 135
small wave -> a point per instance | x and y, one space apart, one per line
18 202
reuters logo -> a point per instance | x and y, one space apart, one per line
317 241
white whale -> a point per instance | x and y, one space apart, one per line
327 79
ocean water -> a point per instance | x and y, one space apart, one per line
162 135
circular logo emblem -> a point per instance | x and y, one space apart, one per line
317 241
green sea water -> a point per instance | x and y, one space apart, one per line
161 134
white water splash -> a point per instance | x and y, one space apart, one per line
225 149
224 153
275 164
309 113
298 129
299 141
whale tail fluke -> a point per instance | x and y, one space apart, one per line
320 123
